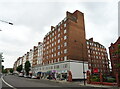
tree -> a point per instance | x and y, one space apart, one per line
11 70
27 67
4 71
1 60
2 67
118 47
19 68
1 56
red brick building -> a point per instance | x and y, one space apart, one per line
35 56
67 40
64 49
97 57
114 51
15 66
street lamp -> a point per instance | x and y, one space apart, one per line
83 65
1 59
6 22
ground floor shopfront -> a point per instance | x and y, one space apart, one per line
62 71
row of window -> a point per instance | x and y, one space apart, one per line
50 42
97 53
96 49
95 45
54 49
97 61
51 67
53 33
63 21
56 60
55 54
99 66
96 57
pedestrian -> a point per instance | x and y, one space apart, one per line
55 76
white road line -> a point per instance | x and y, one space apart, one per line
7 83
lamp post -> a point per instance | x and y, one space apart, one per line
5 22
2 53
83 65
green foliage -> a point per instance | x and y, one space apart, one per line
1 56
117 52
111 80
95 78
119 47
118 65
2 67
19 68
4 71
11 70
27 67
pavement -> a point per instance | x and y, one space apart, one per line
81 83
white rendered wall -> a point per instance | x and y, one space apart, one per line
75 67
77 70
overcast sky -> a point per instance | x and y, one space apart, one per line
33 19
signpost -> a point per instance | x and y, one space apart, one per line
95 70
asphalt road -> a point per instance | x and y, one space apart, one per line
21 82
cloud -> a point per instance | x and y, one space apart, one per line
33 20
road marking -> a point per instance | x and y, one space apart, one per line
7 83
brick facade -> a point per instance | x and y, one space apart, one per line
114 51
66 41
97 57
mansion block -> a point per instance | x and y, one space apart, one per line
65 49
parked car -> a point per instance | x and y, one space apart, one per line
27 76
34 77
21 75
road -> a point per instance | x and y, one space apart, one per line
21 82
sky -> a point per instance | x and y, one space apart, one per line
33 19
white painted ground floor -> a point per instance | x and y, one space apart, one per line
62 69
